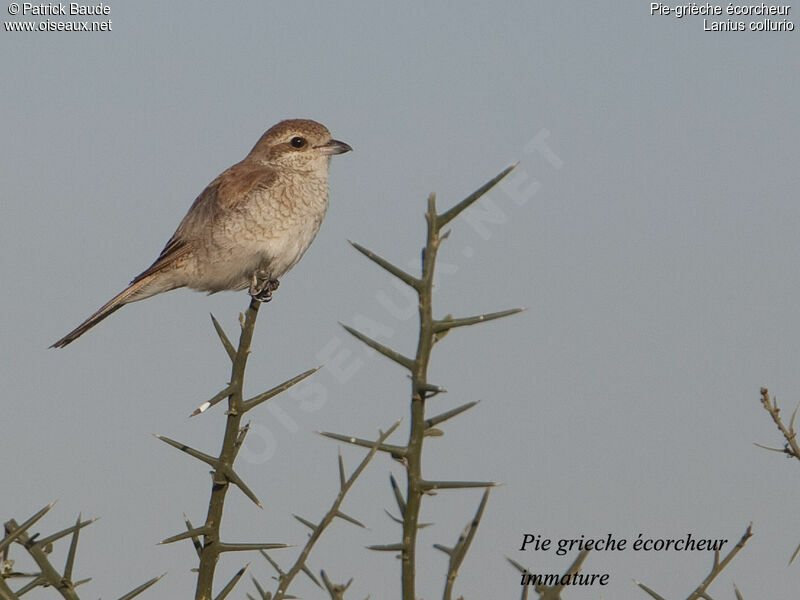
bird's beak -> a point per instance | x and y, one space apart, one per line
334 147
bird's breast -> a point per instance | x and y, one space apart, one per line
276 224
284 220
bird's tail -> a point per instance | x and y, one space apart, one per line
133 292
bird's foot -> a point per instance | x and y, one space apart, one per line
262 286
265 294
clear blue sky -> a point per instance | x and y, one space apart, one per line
651 228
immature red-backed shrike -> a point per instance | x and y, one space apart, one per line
248 227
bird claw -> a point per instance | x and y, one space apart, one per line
262 286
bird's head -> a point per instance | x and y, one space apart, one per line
298 144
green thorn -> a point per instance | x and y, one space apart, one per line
260 590
403 361
350 519
136 591
41 543
446 217
209 403
386 547
231 584
195 540
445 549
445 325
307 523
310 575
398 495
342 476
201 456
256 400
275 565
73 548
433 421
406 278
652 593
6 541
234 478
518 566
395 451
248 547
185 535
226 342
465 539
452 485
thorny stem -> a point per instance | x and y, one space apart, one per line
48 574
39 549
430 331
420 387
419 378
286 579
719 565
791 448
211 541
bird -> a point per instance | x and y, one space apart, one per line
248 227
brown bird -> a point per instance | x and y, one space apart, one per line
248 227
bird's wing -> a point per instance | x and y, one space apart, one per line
236 185
179 244
226 193
174 249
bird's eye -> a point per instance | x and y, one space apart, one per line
297 142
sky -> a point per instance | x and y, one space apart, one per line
650 229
